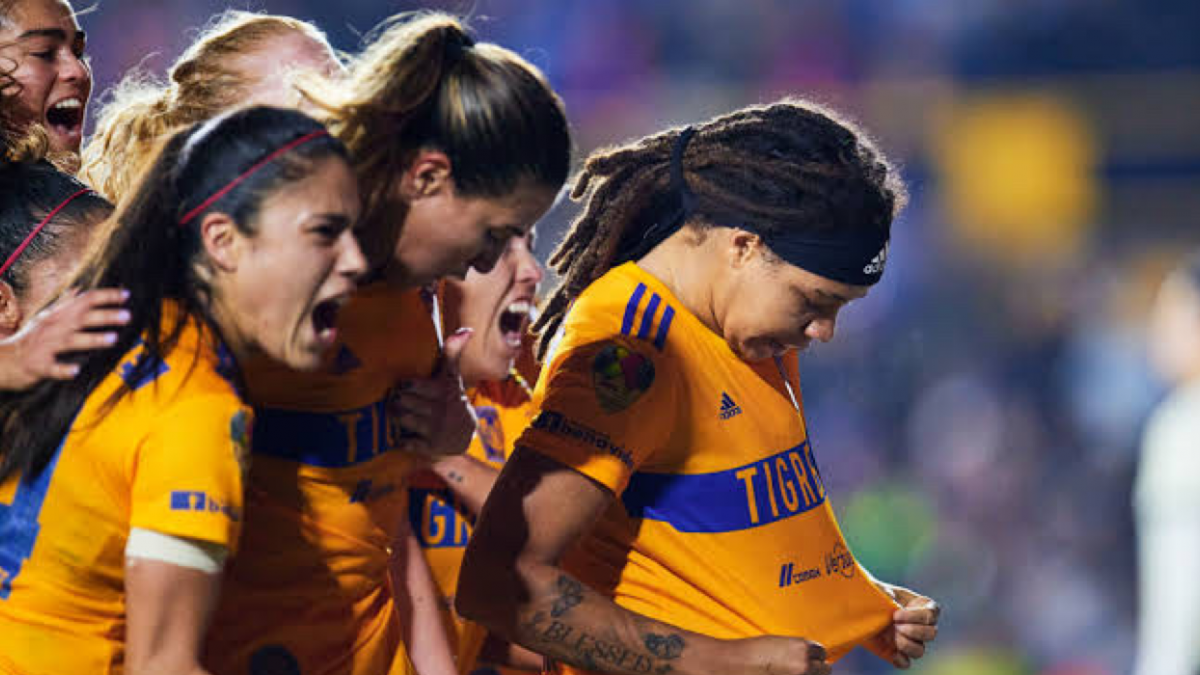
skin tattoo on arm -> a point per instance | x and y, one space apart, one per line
566 640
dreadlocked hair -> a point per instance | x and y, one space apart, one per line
788 167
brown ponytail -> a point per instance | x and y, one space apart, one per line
423 82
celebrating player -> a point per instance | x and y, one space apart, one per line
665 511
446 499
121 490
458 147
51 79
241 58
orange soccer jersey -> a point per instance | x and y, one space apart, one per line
721 524
310 592
168 457
443 525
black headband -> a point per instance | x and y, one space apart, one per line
855 256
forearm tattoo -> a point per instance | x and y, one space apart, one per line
559 638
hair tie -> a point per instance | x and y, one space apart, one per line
187 217
687 200
685 203
456 45
38 228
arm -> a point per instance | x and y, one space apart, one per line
418 603
168 607
501 652
511 583
468 478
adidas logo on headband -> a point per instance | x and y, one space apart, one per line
877 263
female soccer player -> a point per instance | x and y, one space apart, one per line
664 512
444 500
241 58
458 147
121 490
45 219
52 80
1165 495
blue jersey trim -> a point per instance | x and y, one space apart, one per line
768 490
631 308
331 440
664 326
648 317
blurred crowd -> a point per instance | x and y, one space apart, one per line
979 416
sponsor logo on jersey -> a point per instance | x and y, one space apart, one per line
556 423
192 500
838 561
728 407
790 574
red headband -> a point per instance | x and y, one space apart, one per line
187 217
33 233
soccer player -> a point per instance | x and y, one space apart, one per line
446 499
51 78
121 490
665 511
46 217
458 147
241 58
1166 505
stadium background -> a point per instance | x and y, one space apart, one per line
978 417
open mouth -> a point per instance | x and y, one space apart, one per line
66 117
324 319
513 322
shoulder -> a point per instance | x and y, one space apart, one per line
620 307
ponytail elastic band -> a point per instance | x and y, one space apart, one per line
33 233
187 217
679 192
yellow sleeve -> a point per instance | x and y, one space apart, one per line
189 472
606 408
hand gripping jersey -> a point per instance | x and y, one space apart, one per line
168 457
443 525
721 524
310 592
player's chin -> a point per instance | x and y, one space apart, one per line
498 360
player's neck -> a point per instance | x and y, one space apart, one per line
680 264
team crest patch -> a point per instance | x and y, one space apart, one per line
620 376
491 434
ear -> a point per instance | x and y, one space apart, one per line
10 310
428 175
221 241
743 247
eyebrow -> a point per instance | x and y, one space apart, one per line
45 32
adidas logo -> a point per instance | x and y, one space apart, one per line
877 263
728 407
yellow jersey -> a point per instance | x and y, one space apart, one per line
721 524
443 524
168 457
325 497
